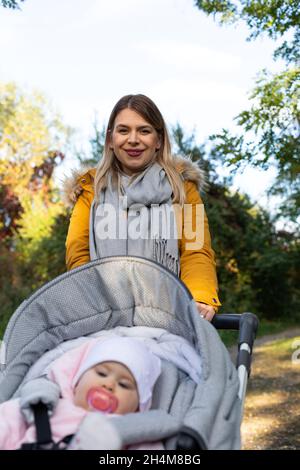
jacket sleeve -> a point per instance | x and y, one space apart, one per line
197 258
77 242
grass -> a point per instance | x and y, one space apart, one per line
266 327
282 346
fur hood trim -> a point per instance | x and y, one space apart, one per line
83 179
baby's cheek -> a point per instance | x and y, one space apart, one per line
134 403
80 399
126 404
76 396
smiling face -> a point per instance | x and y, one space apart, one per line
113 377
134 141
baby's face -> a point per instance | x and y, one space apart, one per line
114 377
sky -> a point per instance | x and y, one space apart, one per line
85 54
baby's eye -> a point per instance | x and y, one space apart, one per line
124 385
101 373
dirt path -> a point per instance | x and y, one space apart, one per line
272 407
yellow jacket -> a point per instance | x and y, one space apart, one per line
197 267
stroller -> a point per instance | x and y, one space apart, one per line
127 292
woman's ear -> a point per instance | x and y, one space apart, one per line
158 144
111 147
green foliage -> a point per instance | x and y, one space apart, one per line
96 146
30 134
257 266
271 17
266 327
186 146
272 137
10 212
270 129
32 218
12 289
36 225
30 266
11 4
44 259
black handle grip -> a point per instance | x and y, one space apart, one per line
248 329
189 439
246 323
227 321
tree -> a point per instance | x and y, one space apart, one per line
256 264
271 17
91 157
274 122
11 4
10 212
270 133
32 217
30 134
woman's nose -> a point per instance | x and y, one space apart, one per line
133 137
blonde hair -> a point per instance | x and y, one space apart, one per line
109 164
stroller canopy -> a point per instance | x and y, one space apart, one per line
116 291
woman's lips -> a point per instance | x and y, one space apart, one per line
134 153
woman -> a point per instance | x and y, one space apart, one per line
138 180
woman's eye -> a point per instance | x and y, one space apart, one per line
143 131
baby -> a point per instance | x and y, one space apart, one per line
108 387
124 369
112 376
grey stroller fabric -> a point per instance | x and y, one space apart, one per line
127 291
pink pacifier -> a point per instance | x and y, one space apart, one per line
101 400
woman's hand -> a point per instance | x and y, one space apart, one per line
206 311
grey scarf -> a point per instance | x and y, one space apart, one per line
138 222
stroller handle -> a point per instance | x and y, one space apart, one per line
246 323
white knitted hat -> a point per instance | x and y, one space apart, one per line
135 355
